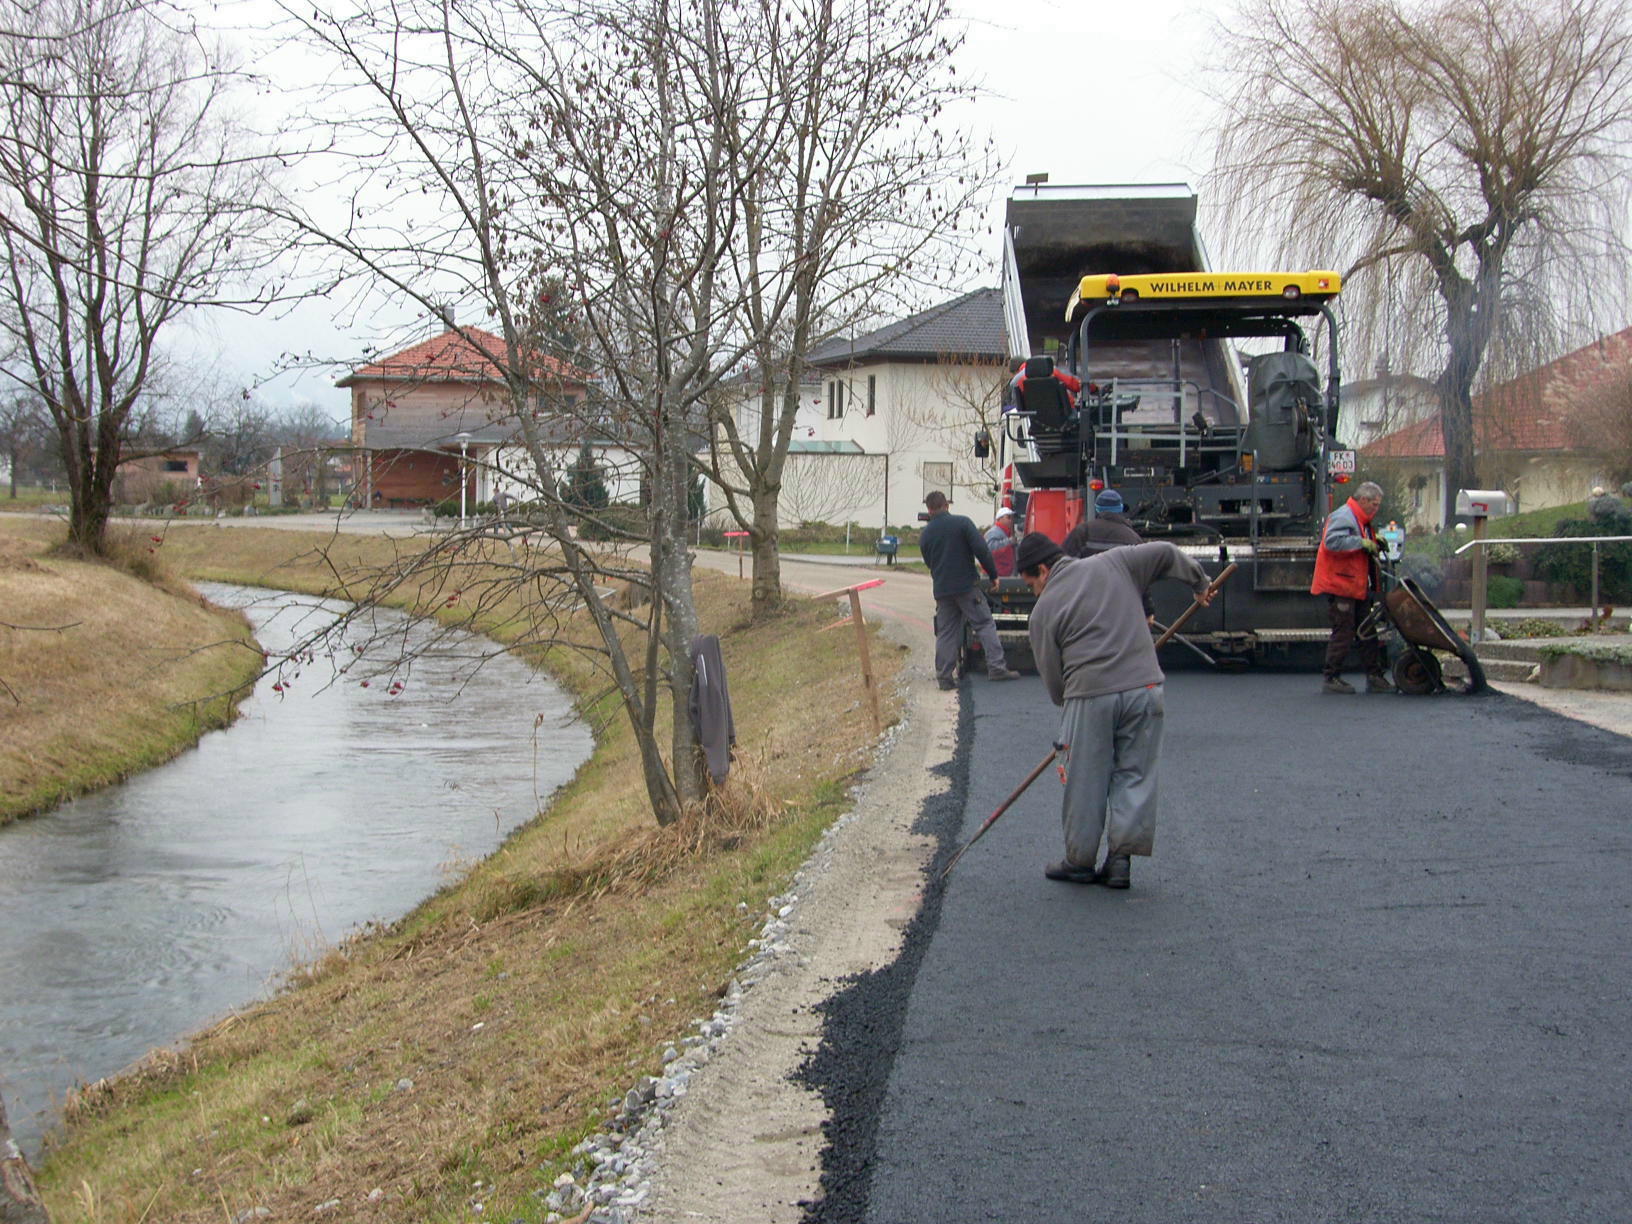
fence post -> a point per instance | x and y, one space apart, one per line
1592 613
1479 578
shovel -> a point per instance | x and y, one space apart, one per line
1212 589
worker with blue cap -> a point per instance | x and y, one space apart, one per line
1109 528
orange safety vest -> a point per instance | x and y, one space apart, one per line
1344 574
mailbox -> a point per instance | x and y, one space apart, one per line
888 546
1483 503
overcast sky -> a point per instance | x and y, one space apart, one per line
1087 91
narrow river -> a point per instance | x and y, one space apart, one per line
135 915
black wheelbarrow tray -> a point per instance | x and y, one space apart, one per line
1423 630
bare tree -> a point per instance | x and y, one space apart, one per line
1462 160
966 398
125 196
863 197
501 158
827 488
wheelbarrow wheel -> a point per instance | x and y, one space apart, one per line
1417 673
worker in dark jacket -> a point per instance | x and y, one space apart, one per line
1343 570
951 546
1096 657
1109 528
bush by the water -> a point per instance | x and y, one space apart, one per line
1572 563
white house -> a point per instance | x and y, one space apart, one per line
897 413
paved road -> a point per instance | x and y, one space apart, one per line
1377 971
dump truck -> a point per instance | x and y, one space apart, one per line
1196 395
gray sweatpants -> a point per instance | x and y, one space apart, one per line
1112 743
950 613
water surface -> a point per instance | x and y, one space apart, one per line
135 915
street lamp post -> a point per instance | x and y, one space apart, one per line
464 441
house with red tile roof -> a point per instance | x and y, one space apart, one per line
1532 435
414 412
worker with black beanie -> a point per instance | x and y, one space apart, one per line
1093 649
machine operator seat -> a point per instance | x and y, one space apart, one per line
1038 392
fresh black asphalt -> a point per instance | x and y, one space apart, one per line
1377 970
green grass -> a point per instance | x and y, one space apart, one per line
30 498
1536 523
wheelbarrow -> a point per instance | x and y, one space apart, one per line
1423 634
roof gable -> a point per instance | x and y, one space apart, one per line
464 354
967 326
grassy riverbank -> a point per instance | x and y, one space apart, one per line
457 1056
102 673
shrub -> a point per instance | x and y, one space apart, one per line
1501 554
1572 563
609 522
584 488
1503 591
1422 570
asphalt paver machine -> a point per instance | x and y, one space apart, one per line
1209 400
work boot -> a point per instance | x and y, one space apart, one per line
1071 873
1336 684
1001 673
946 683
1118 869
1379 684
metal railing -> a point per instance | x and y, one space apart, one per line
1478 595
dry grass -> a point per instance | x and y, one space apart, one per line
517 1001
103 673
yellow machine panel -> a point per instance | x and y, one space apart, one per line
1178 286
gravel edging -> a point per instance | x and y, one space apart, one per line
725 1132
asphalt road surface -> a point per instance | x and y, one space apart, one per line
1376 971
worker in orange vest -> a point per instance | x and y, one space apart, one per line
1343 569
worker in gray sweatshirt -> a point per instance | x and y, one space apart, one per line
1093 648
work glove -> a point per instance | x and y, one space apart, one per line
1370 546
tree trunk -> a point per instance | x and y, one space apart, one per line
19 1201
88 514
765 539
673 581
1456 429
1467 329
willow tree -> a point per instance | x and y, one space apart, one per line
1461 160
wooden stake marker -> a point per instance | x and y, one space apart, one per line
739 537
855 618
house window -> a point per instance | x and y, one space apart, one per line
175 465
938 476
835 400
872 394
